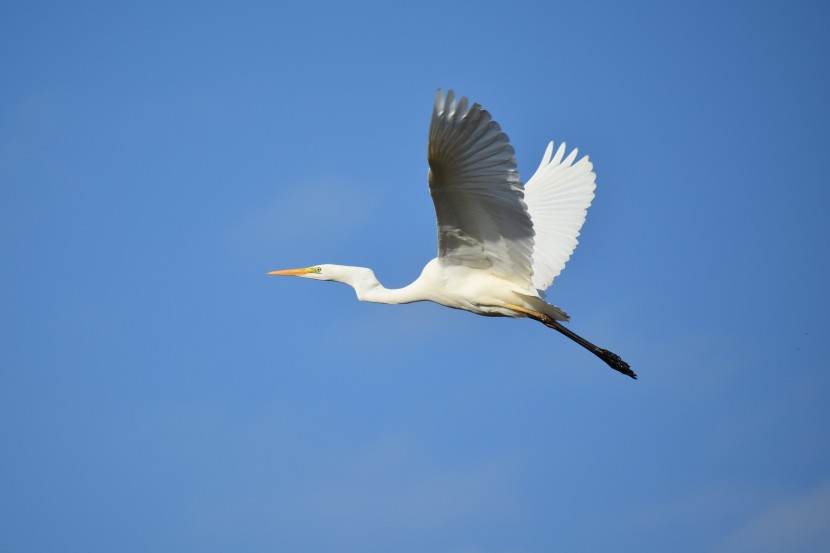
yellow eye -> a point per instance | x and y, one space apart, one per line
318 269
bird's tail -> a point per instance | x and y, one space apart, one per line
548 309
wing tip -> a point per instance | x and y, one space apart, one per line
450 105
438 107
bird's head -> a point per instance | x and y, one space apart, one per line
356 277
316 272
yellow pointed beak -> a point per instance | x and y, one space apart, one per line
293 272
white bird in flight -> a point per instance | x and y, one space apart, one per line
500 244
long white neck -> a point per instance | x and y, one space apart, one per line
368 288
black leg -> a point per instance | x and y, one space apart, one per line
612 359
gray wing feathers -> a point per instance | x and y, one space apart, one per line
482 218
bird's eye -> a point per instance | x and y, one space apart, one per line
318 269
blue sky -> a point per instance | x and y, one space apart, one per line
159 393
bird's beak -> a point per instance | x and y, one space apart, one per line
293 272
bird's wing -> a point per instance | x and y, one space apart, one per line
557 196
482 218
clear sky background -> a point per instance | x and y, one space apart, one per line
158 392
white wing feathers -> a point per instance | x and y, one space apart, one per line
557 196
482 219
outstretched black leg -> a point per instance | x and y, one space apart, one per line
609 357
612 359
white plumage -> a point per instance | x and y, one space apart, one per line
500 244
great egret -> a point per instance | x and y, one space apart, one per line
500 245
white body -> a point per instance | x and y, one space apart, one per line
453 286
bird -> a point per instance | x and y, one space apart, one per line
500 243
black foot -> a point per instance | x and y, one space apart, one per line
615 362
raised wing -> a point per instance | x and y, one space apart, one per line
482 219
558 196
